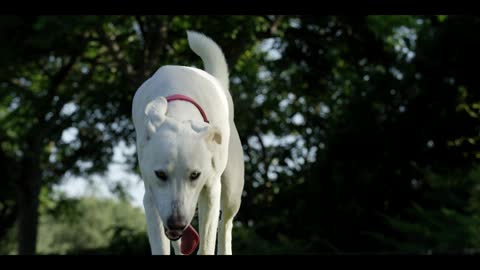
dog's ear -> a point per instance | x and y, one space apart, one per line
155 114
199 127
212 136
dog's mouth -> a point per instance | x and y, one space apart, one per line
173 235
190 239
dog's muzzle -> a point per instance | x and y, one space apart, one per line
173 235
175 228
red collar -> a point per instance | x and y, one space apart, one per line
188 99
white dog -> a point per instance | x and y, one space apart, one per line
189 151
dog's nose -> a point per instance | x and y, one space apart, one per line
175 223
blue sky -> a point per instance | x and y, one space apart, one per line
98 185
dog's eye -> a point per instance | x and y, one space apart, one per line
194 175
161 175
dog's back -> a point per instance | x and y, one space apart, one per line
170 76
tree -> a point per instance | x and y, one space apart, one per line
78 224
343 120
371 104
79 74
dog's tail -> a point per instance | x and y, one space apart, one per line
212 57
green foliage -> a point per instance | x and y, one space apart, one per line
77 224
448 220
79 74
360 133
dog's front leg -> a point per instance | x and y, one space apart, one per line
159 243
177 246
208 214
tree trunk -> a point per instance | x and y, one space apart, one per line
28 190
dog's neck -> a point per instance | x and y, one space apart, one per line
184 108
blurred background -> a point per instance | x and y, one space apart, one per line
361 134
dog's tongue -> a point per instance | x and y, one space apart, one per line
190 240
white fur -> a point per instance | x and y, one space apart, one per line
173 138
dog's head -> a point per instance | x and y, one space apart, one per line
176 160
